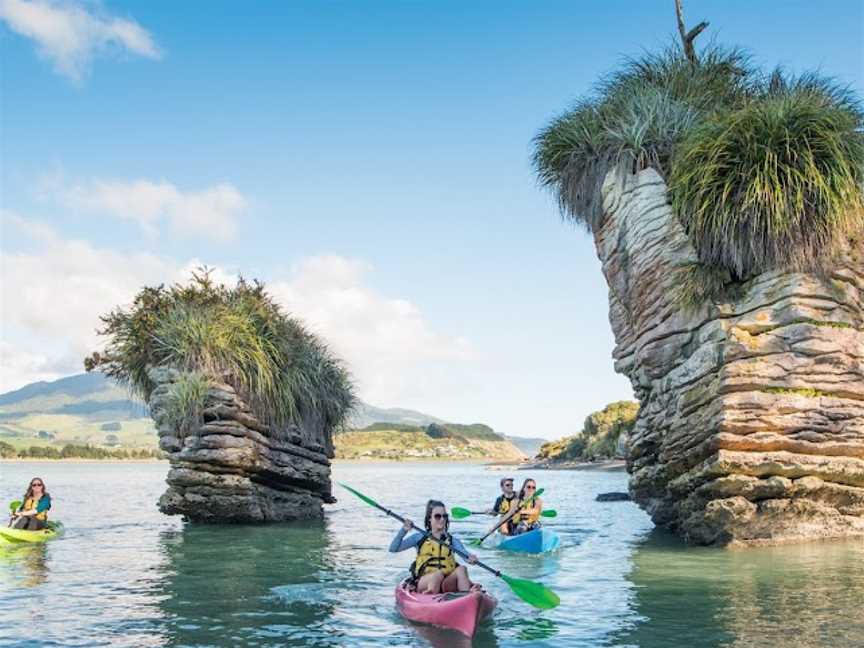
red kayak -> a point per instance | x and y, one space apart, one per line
460 611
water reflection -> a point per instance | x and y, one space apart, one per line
759 596
237 585
23 565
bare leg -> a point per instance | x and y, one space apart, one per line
457 581
430 583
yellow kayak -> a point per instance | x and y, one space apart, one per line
53 530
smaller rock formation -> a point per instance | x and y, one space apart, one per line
230 467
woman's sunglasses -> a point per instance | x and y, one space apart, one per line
441 516
40 484
530 487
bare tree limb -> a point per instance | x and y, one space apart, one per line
687 38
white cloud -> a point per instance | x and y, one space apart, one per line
70 36
56 293
210 213
389 345
19 367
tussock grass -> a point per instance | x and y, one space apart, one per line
635 117
765 170
186 399
238 335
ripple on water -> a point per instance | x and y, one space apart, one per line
139 578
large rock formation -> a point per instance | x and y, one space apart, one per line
751 427
230 467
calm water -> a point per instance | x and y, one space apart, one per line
125 575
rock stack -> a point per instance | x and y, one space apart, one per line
231 467
751 427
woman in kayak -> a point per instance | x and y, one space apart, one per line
32 515
529 517
435 569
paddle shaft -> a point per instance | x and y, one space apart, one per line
440 542
530 500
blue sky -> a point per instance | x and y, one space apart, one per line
370 160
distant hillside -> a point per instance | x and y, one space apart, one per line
435 441
604 435
92 409
365 415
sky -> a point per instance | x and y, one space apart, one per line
370 161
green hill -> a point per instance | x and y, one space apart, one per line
435 441
90 409
600 437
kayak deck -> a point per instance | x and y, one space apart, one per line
535 541
460 611
18 536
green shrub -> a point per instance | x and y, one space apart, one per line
636 117
237 334
775 183
7 451
184 403
598 438
764 171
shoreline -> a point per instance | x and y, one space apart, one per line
610 465
479 460
79 460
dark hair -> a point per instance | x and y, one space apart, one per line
29 492
522 490
505 479
427 521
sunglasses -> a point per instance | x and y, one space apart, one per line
508 484
40 484
441 516
530 487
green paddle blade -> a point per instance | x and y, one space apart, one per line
536 594
368 500
550 513
459 513
14 506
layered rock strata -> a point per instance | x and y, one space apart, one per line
230 467
751 426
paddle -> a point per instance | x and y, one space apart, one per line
459 513
531 592
479 542
14 506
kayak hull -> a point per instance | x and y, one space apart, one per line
20 536
536 541
460 611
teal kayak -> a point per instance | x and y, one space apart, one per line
18 536
536 541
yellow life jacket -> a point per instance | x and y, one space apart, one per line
529 516
31 503
504 506
433 557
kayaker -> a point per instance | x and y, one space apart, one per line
32 515
529 517
435 569
505 504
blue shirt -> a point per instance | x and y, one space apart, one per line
401 543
